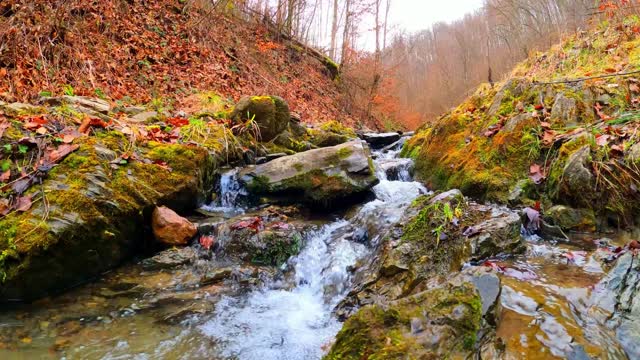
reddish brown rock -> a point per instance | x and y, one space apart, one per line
170 228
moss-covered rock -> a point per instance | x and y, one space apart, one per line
438 323
270 113
95 215
261 243
436 236
319 177
487 144
569 219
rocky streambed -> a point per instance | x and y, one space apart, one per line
292 270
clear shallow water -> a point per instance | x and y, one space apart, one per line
297 323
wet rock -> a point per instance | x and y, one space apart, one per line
216 275
488 285
397 169
436 323
319 176
380 140
170 228
583 220
271 113
414 252
251 239
565 110
95 217
499 234
618 296
170 258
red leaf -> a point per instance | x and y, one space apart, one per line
602 140
548 138
163 164
536 174
5 176
539 107
207 241
23 203
63 150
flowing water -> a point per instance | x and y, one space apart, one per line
141 313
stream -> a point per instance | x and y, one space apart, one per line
143 312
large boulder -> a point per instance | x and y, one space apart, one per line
437 235
445 321
170 228
319 177
95 213
271 114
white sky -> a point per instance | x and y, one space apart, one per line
416 15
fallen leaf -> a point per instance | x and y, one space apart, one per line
63 150
42 130
536 174
611 70
23 203
533 220
207 241
602 140
5 176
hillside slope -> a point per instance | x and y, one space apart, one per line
537 137
162 51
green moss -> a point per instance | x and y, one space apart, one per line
375 332
335 127
278 249
259 185
344 153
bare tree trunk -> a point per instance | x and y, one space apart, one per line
386 22
347 26
334 30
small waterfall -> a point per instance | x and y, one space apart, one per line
231 193
276 322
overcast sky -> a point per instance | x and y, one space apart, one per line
416 15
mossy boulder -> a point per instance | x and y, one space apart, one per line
570 219
317 177
436 236
96 214
261 243
437 323
271 114
330 133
